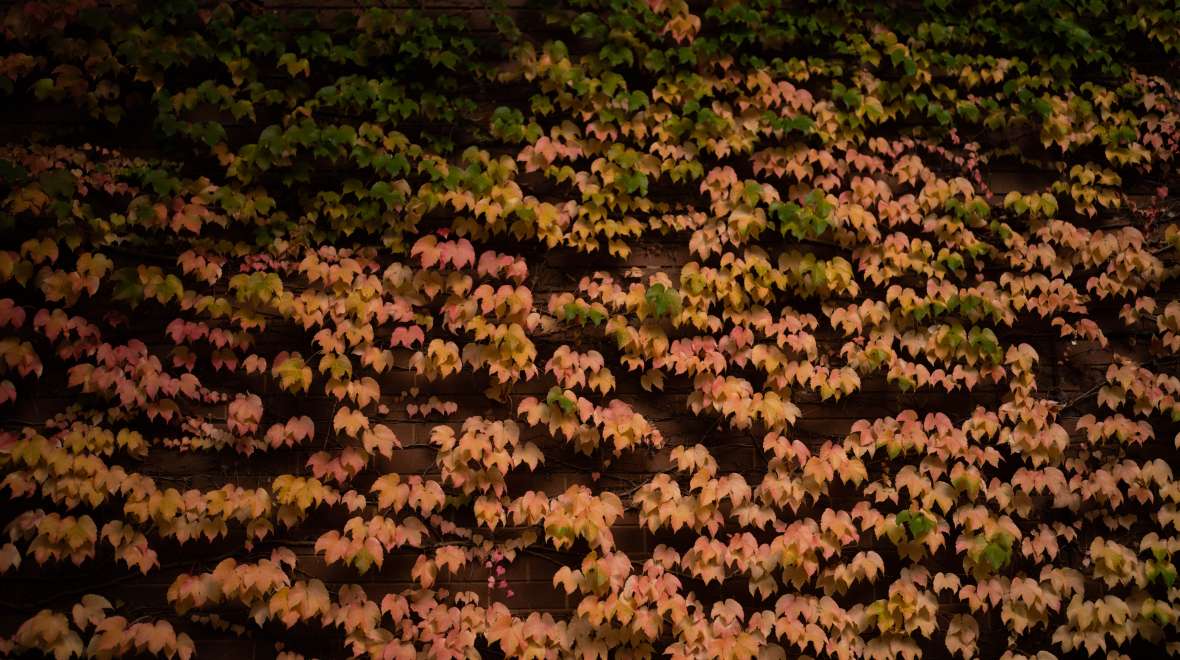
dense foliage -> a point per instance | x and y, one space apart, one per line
394 270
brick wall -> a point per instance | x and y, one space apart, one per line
1067 371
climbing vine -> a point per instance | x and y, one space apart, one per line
743 329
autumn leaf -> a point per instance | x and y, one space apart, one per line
962 633
349 421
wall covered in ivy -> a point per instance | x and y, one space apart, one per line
591 328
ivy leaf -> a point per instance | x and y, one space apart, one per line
998 552
661 300
557 397
58 183
917 522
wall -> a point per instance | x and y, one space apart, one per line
1109 242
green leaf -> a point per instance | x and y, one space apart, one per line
58 183
996 555
918 523
662 300
557 397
